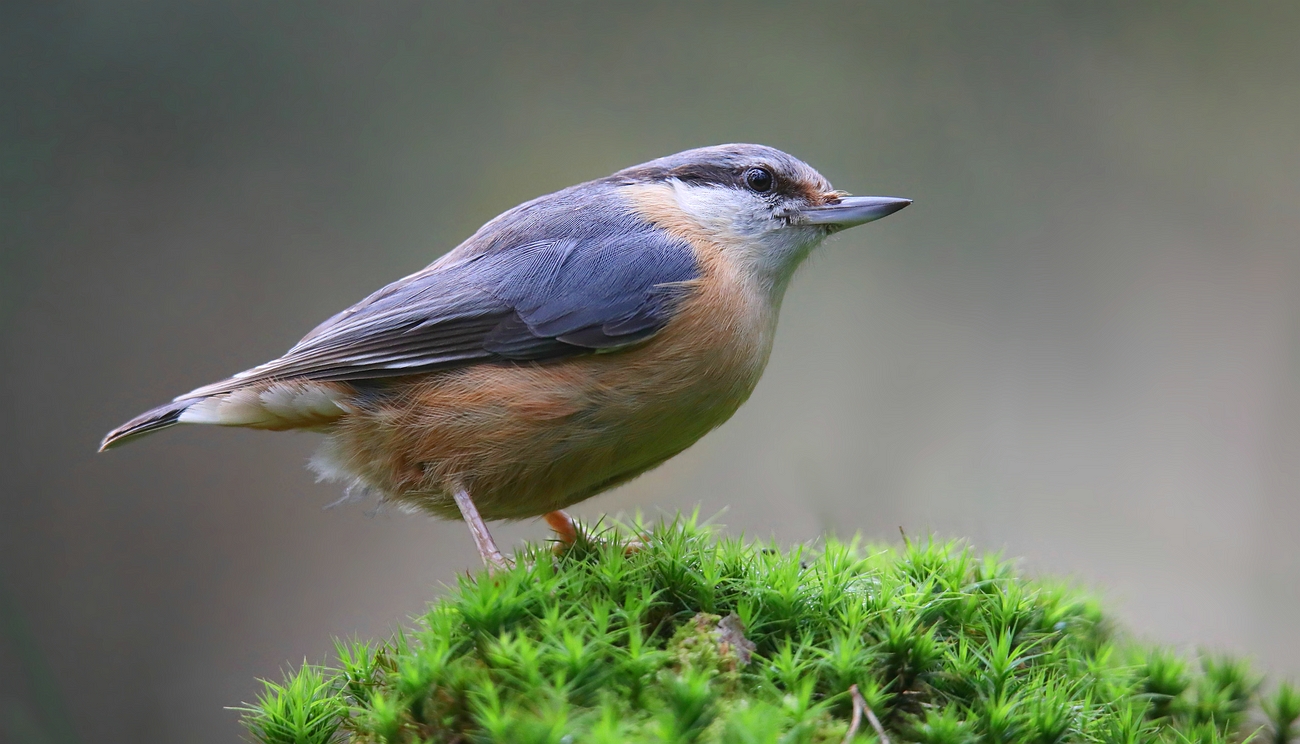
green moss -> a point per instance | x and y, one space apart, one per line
699 638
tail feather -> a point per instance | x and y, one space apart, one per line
157 419
280 405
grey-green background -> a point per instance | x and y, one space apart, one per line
1081 345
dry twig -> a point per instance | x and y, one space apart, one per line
859 708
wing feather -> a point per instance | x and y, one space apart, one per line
598 288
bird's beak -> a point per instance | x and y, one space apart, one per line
851 211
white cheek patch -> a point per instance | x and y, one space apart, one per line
744 225
727 215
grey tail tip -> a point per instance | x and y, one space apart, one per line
157 419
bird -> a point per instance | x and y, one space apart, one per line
569 345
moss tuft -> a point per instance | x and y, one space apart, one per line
701 638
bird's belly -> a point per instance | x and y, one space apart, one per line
527 439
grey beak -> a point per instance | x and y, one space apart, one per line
851 211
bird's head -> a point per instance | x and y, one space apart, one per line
765 208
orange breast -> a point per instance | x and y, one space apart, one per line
525 439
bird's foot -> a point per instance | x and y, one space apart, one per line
496 563
569 533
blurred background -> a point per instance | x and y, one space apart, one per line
1080 346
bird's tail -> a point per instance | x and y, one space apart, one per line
280 405
157 419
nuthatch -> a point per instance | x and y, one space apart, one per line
571 344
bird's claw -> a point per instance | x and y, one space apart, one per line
569 533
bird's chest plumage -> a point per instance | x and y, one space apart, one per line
696 372
525 439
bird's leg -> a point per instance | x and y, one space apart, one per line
487 549
566 532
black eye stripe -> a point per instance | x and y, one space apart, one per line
718 174
711 174
725 176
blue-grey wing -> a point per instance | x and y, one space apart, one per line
534 301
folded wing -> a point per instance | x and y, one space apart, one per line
533 302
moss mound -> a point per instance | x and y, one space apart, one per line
697 638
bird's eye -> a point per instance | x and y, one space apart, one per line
759 179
